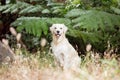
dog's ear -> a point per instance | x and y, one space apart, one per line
51 28
65 28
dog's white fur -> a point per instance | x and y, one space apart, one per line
63 51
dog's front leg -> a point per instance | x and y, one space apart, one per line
61 59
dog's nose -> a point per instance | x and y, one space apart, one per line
58 31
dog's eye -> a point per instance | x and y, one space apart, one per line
60 28
55 28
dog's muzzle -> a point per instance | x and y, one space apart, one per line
57 33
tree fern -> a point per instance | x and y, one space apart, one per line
37 25
95 26
56 8
91 26
23 8
13 7
31 9
92 19
2 8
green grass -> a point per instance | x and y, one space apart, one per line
41 66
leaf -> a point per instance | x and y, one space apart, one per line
34 9
8 9
44 27
93 20
37 25
4 7
56 11
116 10
45 11
75 13
95 27
26 10
38 28
14 10
55 4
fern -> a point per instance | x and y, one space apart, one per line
93 20
116 10
23 8
56 8
95 27
91 26
45 11
4 7
31 9
12 8
87 37
37 25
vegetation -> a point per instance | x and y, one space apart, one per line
94 22
42 68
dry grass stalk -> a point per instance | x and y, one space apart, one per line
34 68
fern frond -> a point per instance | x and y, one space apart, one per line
93 20
75 13
36 25
31 9
96 27
55 4
85 36
116 10
12 8
22 5
2 8
23 8
44 11
26 9
44 27
65 21
56 7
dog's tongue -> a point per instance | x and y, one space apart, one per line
57 35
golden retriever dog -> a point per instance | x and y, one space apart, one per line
65 54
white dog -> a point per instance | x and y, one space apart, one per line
63 51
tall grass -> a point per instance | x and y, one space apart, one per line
41 66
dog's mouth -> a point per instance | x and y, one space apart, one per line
58 35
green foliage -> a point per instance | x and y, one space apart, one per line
91 25
13 1
97 26
103 5
23 8
116 10
31 9
37 25
34 24
92 20
12 8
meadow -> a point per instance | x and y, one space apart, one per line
41 66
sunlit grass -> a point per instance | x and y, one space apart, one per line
41 66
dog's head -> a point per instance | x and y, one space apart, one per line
58 29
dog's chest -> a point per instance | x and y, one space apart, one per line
60 49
